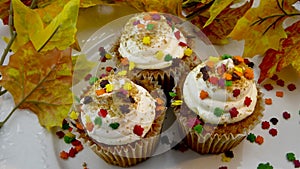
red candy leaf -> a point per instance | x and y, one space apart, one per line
286 115
273 132
265 125
177 35
268 87
233 112
138 130
247 101
280 82
102 113
291 87
236 92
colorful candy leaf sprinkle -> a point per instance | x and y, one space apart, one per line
274 120
198 128
98 121
251 137
89 126
228 83
131 65
264 166
268 87
103 83
236 92
127 86
114 125
69 137
296 163
268 101
273 132
156 17
109 88
146 40
100 92
188 52
74 115
177 35
92 80
279 93
150 26
203 94
63 155
138 130
290 156
280 82
233 112
226 56
168 57
225 158
249 74
102 113
159 55
247 101
176 103
172 94
291 87
286 115
265 125
218 112
122 73
259 140
182 44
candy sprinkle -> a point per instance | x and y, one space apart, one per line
265 125
146 40
274 120
286 115
273 132
259 140
176 103
296 163
279 93
268 101
198 128
251 137
291 87
203 94
138 130
264 166
290 156
188 51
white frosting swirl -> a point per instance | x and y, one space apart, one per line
219 97
141 112
163 41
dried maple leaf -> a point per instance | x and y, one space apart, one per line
40 82
261 27
54 25
288 54
222 25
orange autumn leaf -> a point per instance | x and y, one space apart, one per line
287 54
222 25
261 27
40 82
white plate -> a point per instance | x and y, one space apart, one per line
26 145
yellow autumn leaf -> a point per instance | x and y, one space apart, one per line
42 29
40 82
216 8
261 27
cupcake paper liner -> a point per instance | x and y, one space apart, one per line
223 137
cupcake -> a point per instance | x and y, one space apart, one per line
221 103
121 120
152 46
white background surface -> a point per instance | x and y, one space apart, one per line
26 145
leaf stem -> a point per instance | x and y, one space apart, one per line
26 97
